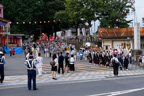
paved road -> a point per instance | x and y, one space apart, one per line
116 86
15 66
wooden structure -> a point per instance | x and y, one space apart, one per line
117 37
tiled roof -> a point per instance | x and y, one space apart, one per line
118 32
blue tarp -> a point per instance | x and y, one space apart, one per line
18 50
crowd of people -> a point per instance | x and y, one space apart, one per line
61 64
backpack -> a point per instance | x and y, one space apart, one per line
1 60
113 62
52 62
72 60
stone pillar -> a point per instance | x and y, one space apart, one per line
137 42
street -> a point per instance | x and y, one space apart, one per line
15 65
116 86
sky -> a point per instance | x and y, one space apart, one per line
139 14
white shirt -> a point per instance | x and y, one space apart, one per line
130 54
40 60
56 61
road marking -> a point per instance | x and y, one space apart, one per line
118 92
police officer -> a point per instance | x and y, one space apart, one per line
31 69
2 62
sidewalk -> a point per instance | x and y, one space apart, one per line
46 78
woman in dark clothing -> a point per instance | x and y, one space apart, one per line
126 62
90 58
108 60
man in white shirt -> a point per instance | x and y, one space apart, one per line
39 65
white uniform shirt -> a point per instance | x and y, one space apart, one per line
40 60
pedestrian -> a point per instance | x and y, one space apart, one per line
31 71
90 58
29 54
60 63
46 51
121 61
10 50
81 54
72 63
54 67
115 64
126 62
130 57
39 65
66 63
2 62
95 58
13 51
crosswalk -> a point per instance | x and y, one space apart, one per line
79 68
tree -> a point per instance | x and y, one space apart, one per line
32 11
114 13
82 10
62 16
23 11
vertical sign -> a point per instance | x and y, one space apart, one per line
137 36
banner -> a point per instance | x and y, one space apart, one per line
91 33
78 30
84 31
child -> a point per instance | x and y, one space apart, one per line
72 62
13 51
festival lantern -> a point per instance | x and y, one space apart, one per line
29 22
89 37
23 22
45 35
35 22
48 21
117 20
59 20
40 21
108 26
97 35
53 20
94 37
44 21
125 11
10 22
17 22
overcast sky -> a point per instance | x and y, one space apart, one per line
139 5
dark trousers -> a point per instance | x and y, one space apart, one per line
2 72
60 67
115 69
31 76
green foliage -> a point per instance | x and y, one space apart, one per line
32 11
63 17
114 10
82 10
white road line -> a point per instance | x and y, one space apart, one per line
118 92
